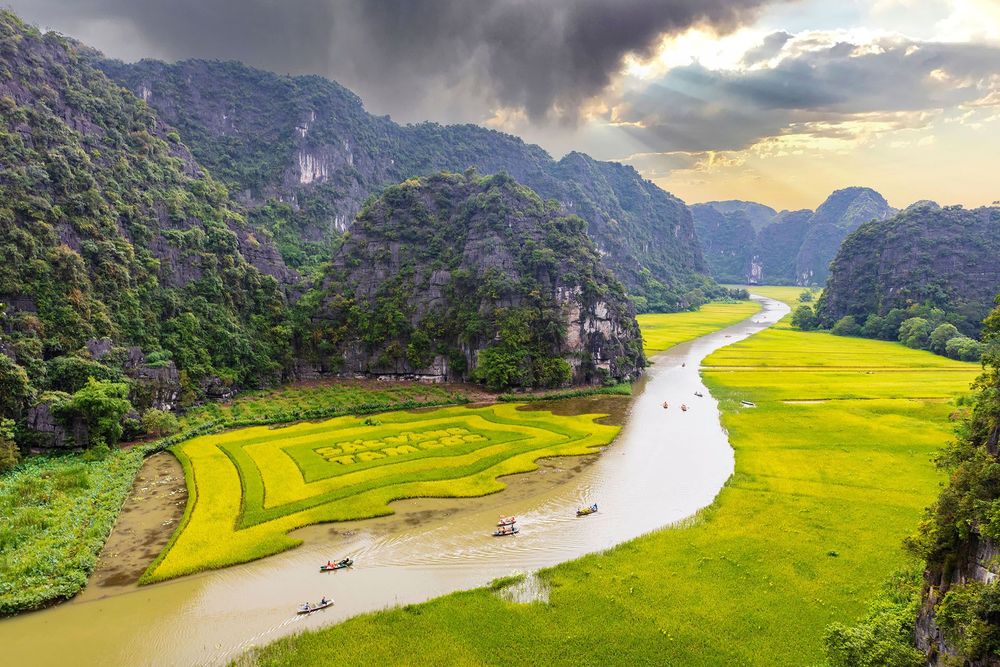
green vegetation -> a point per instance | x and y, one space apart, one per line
646 233
662 331
478 274
620 389
109 229
56 511
55 515
351 468
832 469
927 261
321 400
919 327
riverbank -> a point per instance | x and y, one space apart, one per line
804 531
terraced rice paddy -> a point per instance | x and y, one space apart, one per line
661 331
833 470
249 487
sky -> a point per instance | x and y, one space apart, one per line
776 101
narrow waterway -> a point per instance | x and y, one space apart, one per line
665 465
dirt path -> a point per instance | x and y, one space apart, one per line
151 512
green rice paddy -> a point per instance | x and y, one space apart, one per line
661 331
833 469
249 487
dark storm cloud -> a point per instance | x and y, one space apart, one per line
696 109
543 56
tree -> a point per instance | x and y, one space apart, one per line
964 348
940 337
846 326
101 405
873 327
9 453
806 296
15 388
915 332
159 422
804 318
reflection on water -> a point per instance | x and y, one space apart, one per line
665 465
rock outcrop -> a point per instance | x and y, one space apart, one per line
441 272
946 257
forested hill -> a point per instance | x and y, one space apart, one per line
748 242
455 276
942 257
304 155
110 229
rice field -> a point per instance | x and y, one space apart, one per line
833 469
661 331
249 487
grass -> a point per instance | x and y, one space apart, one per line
661 331
620 389
801 535
293 402
55 514
250 487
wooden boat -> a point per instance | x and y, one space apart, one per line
504 531
665 405
699 394
684 407
507 521
748 404
310 608
584 511
339 565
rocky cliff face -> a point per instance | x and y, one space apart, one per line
748 242
842 212
944 256
727 240
452 277
304 155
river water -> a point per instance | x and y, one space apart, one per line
664 466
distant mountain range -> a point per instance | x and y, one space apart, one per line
303 155
747 242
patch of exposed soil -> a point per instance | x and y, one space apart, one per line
147 520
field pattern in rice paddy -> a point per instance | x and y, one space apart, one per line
250 487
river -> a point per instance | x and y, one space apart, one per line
664 466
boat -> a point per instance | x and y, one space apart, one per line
584 511
506 530
507 521
699 394
684 407
310 608
665 405
339 565
748 404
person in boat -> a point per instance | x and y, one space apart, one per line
305 607
323 600
329 563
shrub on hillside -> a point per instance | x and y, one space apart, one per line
846 326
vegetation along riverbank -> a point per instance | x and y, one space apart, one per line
832 470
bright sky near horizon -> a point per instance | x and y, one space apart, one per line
776 101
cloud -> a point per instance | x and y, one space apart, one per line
811 86
547 58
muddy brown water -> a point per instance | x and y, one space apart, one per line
664 466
